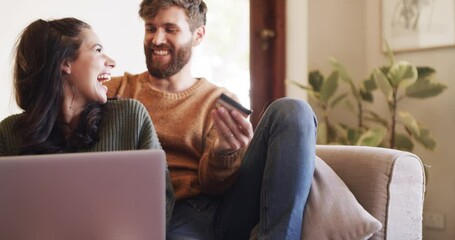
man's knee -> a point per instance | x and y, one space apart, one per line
293 110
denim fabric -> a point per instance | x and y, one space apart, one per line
275 176
193 219
273 183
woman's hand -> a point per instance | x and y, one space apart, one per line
234 130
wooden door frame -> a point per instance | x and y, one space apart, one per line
267 66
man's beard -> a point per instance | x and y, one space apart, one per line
179 58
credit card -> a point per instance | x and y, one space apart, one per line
230 104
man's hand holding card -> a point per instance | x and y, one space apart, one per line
234 129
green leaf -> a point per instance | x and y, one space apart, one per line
322 133
353 135
376 118
385 69
402 72
403 142
424 72
425 88
410 122
366 96
306 88
369 84
366 88
338 67
345 77
316 79
383 83
373 137
426 139
329 86
338 99
389 53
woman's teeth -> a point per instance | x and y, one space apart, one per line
104 77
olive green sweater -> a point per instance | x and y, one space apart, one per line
125 125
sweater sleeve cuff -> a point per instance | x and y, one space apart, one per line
225 161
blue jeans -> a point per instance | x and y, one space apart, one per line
193 219
273 183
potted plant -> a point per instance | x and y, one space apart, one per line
397 80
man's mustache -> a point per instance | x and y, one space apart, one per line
162 46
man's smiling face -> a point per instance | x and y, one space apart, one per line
168 42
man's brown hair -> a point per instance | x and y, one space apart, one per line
195 10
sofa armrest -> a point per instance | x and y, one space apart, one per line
388 183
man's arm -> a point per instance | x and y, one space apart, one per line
217 173
230 136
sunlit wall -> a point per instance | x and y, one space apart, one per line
222 58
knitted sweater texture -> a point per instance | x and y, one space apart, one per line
125 125
186 132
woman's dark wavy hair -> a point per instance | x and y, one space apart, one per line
40 52
196 10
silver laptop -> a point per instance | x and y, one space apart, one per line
84 196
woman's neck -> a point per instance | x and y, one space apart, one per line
71 114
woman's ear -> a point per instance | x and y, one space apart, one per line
198 35
66 67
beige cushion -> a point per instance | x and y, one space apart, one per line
332 211
388 183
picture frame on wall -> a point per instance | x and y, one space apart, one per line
410 25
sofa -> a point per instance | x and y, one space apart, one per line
361 192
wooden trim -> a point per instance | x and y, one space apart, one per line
267 66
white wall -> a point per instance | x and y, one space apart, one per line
436 113
335 29
121 30
116 22
350 30
297 43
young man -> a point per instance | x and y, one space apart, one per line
225 179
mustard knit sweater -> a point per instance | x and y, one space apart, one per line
185 130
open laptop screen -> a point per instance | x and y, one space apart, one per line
102 195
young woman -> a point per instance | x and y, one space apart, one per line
60 67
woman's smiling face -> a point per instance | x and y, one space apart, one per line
88 71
